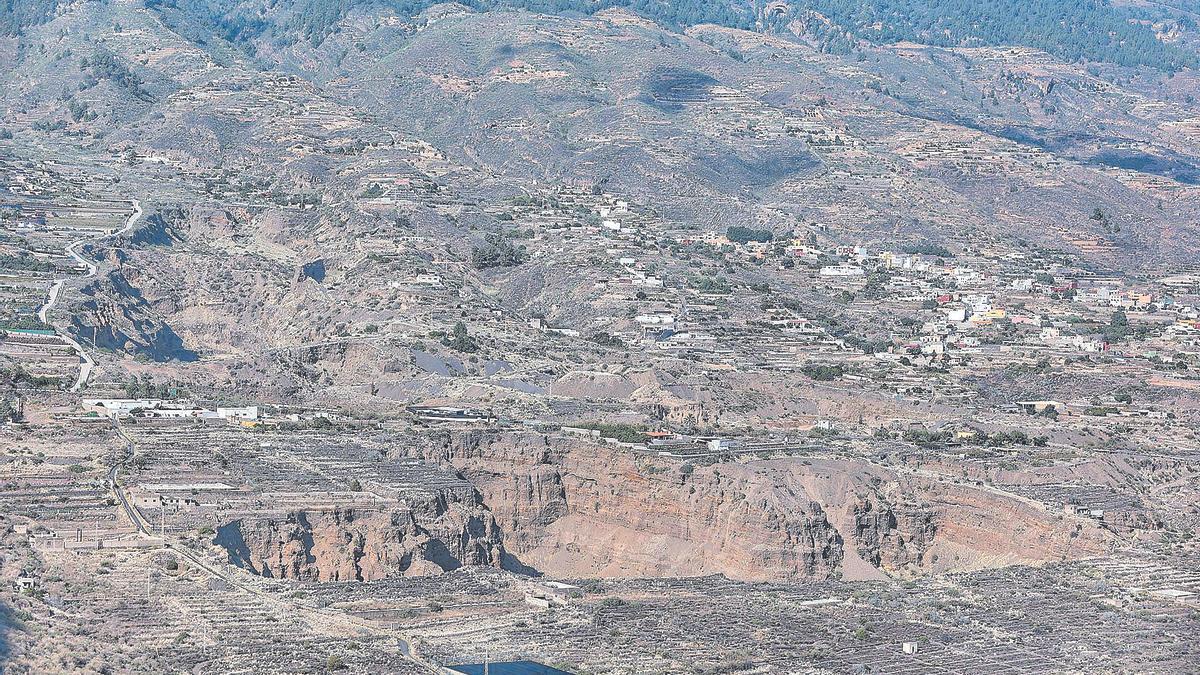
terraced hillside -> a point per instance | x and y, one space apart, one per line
685 337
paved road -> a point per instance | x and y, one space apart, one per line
85 359
130 512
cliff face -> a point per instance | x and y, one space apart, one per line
115 315
574 508
891 536
979 528
431 536
581 509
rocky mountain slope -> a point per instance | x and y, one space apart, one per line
424 132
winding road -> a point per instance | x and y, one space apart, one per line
85 360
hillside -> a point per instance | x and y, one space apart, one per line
1074 30
628 337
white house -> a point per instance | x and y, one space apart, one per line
841 271
116 407
246 413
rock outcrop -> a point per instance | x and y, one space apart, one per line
890 536
430 536
115 315
575 508
588 510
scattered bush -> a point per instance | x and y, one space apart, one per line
498 251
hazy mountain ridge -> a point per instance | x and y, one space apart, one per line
1074 30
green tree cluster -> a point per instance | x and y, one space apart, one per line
742 235
498 251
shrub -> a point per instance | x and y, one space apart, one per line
498 251
823 372
741 235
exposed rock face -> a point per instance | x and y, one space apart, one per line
433 536
891 536
115 315
900 523
571 507
575 508
582 509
